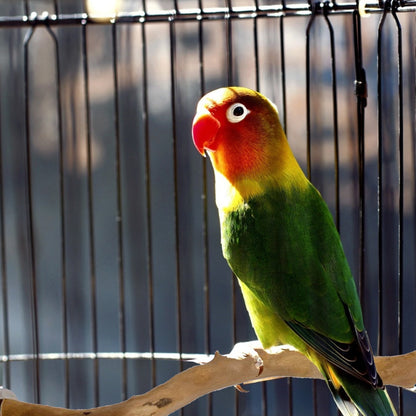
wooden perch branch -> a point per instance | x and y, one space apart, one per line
220 372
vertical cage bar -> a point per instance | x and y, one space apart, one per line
380 180
256 47
412 117
335 113
400 185
149 254
30 225
62 212
401 173
119 214
308 91
283 69
172 36
229 44
360 87
91 228
4 371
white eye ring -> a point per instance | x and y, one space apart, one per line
237 112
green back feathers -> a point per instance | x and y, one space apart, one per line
297 285
284 246
298 288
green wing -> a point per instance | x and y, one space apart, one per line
286 250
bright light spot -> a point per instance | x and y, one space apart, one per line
102 9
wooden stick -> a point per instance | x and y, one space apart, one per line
220 372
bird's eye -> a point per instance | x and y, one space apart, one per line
237 112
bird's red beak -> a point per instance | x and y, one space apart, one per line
204 131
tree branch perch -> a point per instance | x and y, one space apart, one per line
218 373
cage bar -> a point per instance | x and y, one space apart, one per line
91 231
30 231
4 375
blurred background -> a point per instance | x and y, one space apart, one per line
110 259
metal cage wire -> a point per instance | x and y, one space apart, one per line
110 258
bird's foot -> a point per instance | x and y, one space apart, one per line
243 350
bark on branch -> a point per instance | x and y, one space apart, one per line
220 372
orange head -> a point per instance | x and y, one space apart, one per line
240 130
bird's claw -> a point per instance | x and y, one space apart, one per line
258 361
240 389
243 350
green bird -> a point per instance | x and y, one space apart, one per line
279 238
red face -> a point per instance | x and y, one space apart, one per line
237 127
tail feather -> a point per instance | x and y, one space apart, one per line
344 404
369 400
354 397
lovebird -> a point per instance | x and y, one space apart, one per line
279 238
